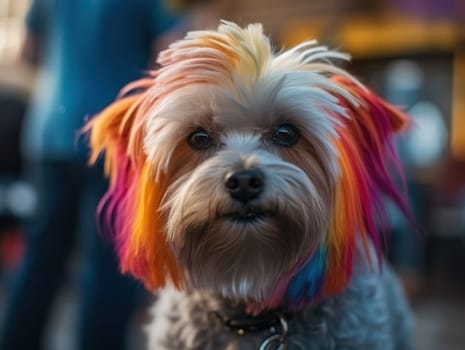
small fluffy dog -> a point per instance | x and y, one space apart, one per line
251 185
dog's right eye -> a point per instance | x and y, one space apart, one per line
285 135
200 140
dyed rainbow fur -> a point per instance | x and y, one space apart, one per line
363 142
351 128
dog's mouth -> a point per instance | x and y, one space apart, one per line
247 214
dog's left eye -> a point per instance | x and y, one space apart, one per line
285 135
200 140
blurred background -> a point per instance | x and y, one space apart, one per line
412 52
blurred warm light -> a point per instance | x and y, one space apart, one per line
393 34
378 35
11 28
458 107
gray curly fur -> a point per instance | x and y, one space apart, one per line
370 314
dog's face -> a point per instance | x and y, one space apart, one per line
245 172
251 184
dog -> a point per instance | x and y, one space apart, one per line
249 188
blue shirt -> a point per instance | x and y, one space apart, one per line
91 49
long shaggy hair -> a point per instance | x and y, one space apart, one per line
224 102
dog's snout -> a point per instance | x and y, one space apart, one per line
245 185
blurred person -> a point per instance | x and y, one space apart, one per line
87 51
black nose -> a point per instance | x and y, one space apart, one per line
245 185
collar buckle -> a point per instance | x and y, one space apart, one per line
278 339
274 321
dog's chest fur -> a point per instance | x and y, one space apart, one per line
370 314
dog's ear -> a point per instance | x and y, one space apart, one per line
369 172
129 211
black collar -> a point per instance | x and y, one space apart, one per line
242 323
274 321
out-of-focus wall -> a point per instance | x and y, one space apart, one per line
279 17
